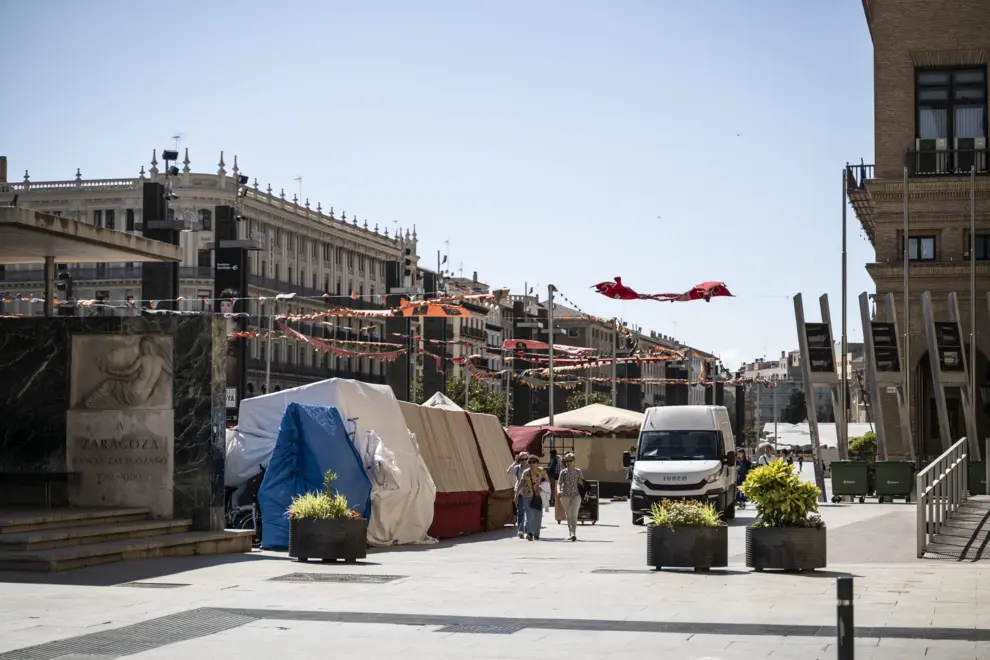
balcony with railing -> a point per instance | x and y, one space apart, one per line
935 159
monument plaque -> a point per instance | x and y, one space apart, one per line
120 432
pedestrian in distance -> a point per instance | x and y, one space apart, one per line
743 466
766 454
800 462
516 470
569 491
530 492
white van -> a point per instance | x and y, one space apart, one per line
684 452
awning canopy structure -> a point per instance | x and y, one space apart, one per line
597 418
28 237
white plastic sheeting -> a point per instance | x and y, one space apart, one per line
403 491
441 400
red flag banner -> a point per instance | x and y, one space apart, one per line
704 291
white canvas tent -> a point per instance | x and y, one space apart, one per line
403 491
440 400
597 418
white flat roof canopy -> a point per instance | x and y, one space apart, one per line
27 237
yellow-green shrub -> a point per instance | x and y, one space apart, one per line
781 497
684 513
321 505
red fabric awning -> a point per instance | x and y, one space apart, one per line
530 438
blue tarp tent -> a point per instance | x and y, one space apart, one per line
311 440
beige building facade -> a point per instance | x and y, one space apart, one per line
930 96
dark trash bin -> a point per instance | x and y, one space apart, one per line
894 479
850 479
977 478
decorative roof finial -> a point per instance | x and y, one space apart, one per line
154 163
141 173
414 232
221 171
331 214
255 183
354 221
282 194
343 216
307 202
386 232
366 224
269 189
185 162
27 177
376 227
78 175
236 169
295 199
319 208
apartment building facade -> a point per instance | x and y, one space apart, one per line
931 158
305 250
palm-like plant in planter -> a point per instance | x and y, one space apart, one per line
323 526
686 534
788 533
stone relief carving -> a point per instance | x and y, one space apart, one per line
132 372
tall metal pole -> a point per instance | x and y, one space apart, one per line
908 365
268 356
415 361
844 385
615 358
550 290
776 417
467 376
972 291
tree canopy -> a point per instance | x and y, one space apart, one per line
482 399
577 400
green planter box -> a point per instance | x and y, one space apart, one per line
977 479
850 478
894 479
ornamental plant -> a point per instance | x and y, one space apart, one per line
321 505
684 513
781 497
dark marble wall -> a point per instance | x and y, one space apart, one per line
34 391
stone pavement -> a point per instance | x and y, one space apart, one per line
496 596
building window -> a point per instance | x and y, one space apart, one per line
57 214
109 217
314 280
921 248
951 104
204 259
97 218
326 284
170 215
129 220
982 247
206 219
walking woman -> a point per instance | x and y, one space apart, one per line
743 466
516 470
568 487
530 493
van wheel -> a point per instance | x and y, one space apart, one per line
637 519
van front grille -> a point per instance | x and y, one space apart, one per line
680 485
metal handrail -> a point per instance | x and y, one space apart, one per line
941 489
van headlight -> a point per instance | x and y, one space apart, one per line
638 479
713 477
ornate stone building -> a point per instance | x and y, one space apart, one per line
306 250
930 100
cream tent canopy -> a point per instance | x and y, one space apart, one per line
597 418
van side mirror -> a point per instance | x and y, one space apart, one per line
730 458
627 459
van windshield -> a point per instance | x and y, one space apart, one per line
680 446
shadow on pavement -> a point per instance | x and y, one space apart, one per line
506 533
108 575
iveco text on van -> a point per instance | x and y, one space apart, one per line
684 452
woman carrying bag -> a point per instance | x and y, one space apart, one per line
531 492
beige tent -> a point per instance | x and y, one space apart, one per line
442 401
449 449
598 419
494 447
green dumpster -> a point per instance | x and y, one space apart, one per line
850 478
977 478
894 479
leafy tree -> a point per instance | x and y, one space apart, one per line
753 436
418 396
864 447
796 410
483 399
826 415
576 400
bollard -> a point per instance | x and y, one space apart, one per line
844 631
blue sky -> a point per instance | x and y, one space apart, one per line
557 141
